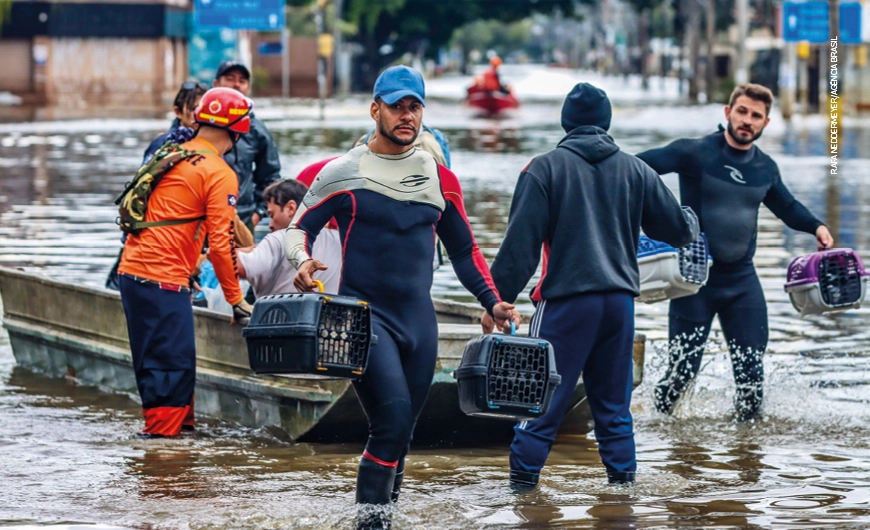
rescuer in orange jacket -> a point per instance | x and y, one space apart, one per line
491 80
158 261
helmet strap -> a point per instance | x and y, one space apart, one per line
234 138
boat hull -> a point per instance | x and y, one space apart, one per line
491 102
80 332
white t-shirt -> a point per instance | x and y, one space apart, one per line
269 271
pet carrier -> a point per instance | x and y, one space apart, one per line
667 272
826 281
310 333
506 376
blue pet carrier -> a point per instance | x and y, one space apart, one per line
667 272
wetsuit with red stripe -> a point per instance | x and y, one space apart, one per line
389 210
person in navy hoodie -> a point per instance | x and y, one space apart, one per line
584 204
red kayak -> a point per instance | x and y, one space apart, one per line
491 101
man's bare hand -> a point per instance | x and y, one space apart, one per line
303 281
824 237
502 315
487 323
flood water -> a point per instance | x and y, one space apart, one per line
69 457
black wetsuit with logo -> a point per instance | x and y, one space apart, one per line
725 187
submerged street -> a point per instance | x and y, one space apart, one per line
70 459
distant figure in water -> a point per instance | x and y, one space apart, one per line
725 177
491 79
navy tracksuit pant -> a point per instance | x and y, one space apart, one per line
734 293
160 328
592 334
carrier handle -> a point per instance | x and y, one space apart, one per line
319 285
513 328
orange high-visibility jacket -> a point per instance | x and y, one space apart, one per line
203 185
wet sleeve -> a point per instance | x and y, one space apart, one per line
528 226
663 218
792 212
222 190
455 232
667 159
309 220
267 168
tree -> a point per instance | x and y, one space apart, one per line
390 28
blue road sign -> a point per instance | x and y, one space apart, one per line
850 23
240 14
804 21
270 48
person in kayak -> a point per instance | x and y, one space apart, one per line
390 200
725 177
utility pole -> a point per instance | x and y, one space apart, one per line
694 38
285 62
711 60
321 60
338 61
644 48
741 75
788 81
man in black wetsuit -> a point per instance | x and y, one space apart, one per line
724 177
390 200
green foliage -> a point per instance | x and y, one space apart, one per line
425 26
260 78
366 14
5 13
724 87
300 21
490 34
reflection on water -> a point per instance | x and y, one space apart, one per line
69 458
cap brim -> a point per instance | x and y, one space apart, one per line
241 68
393 97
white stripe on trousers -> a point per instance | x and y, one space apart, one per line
534 331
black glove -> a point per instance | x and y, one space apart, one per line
242 313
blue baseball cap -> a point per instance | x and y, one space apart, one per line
397 82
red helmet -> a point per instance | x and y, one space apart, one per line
495 61
225 108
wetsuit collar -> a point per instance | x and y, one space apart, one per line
399 156
740 156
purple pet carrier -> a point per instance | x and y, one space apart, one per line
826 281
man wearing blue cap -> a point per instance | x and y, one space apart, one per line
390 200
584 204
